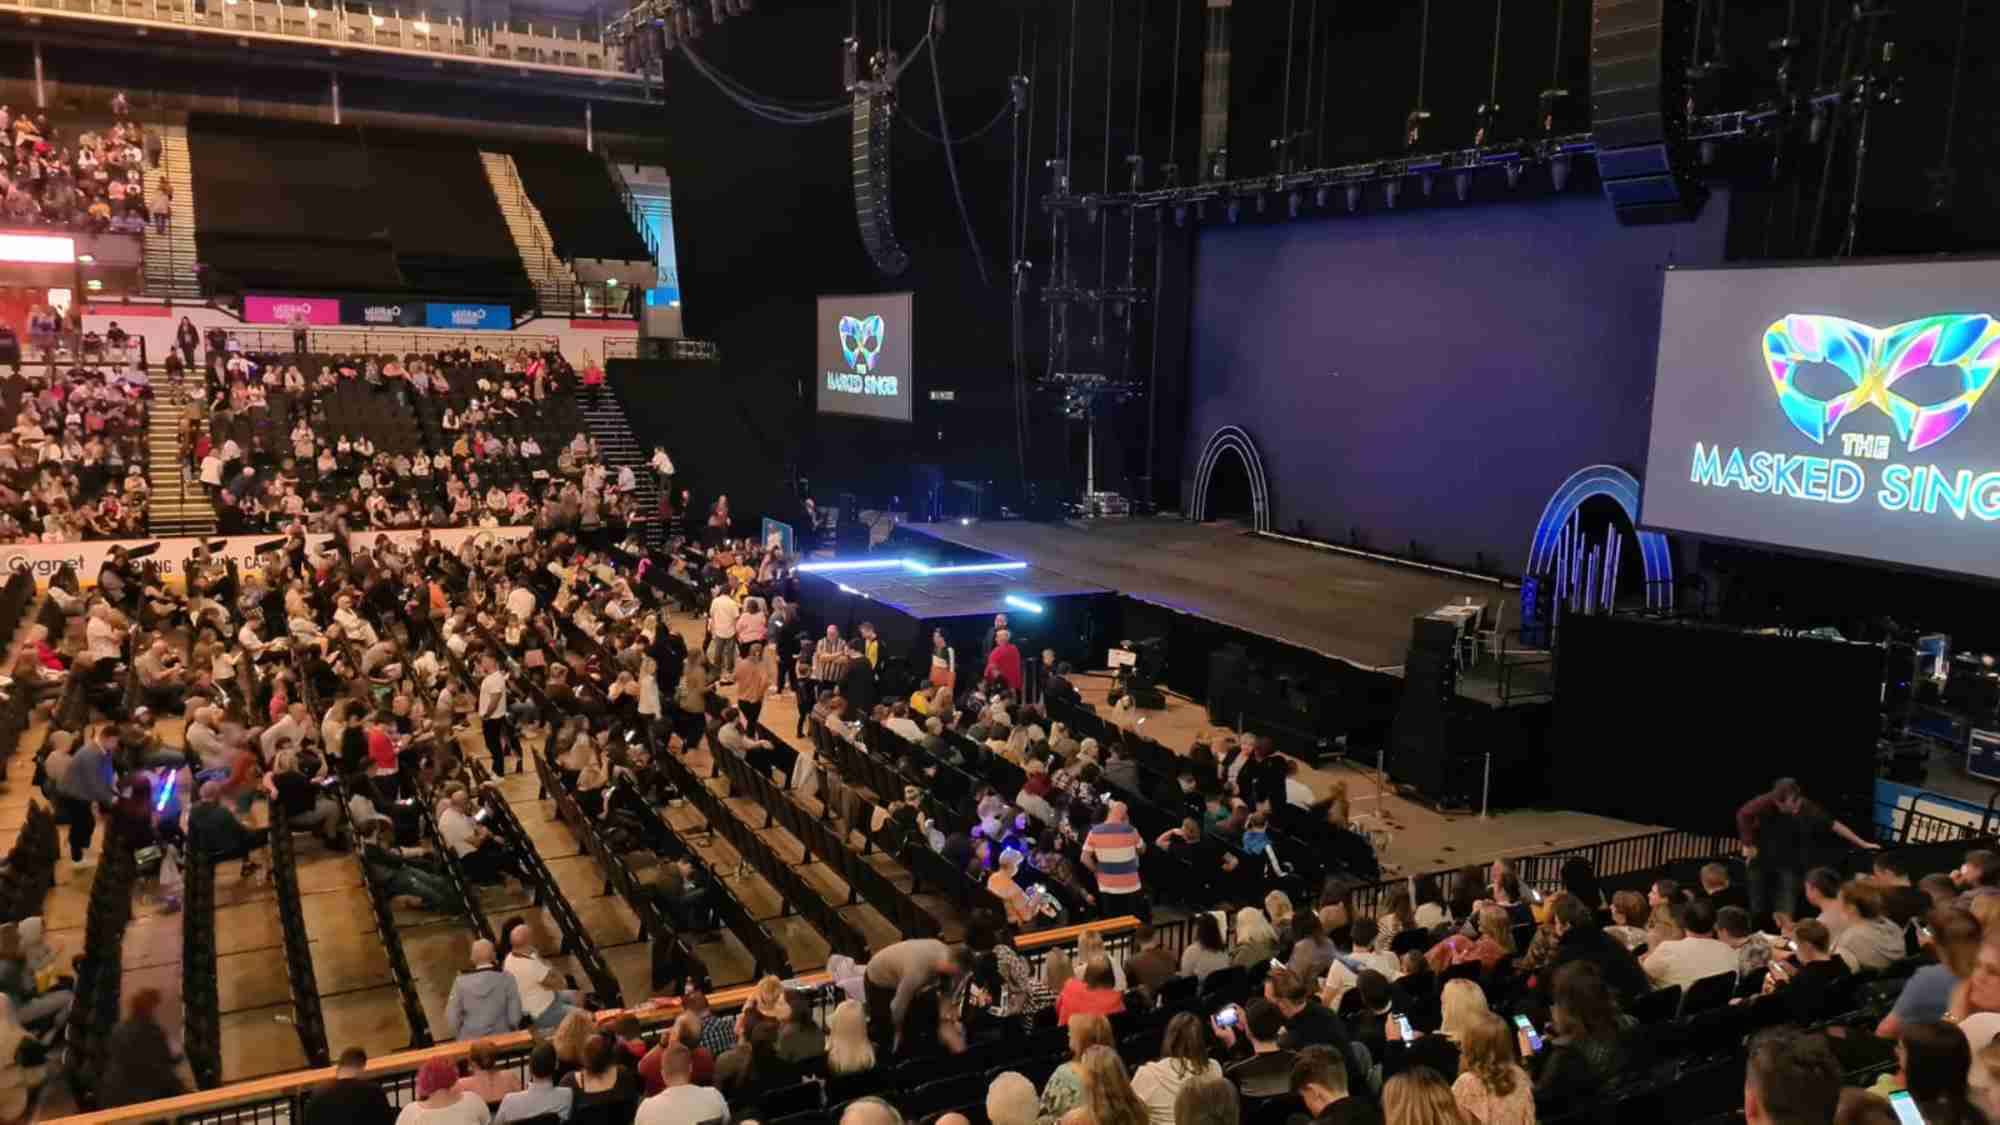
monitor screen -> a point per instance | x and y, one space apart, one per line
866 356
1832 409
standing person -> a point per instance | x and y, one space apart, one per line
187 337
1775 830
493 714
140 1062
298 323
86 788
1112 850
753 680
894 976
350 1099
1004 662
944 662
722 614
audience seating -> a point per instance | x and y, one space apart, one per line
307 1017
582 205
200 996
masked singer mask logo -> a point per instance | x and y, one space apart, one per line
861 341
1873 360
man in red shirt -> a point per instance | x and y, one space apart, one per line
1004 662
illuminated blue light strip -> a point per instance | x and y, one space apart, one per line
966 568
911 565
1022 603
1622 487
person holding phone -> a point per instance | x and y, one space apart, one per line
1267 1070
1808 981
1491 1087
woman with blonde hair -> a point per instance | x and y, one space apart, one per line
1491 1087
1397 913
1057 970
1461 1005
1090 945
1278 908
1108 1098
1064 1091
1663 926
1420 1097
1495 941
570 1035
1183 1058
1256 941
848 1048
767 1000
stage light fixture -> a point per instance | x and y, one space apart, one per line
86 259
1260 203
964 568
1353 198
1292 204
965 521
1427 182
1559 172
1017 602
1234 210
422 27
1319 196
842 565
1461 182
1513 175
1816 129
1390 190
1180 215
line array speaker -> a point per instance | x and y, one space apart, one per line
1638 108
873 117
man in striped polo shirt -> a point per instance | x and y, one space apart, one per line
1112 850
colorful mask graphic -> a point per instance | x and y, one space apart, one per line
1873 360
861 341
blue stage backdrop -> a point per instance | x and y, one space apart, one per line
1434 375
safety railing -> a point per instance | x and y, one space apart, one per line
353 341
282 1097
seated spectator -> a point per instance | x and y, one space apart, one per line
800 1041
1901 901
1696 956
1495 941
1418 1096
1578 938
484 1000
1011 1100
439 1101
1319 1078
350 1099
1629 913
1808 984
1094 993
681 1101
1733 929
541 1096
1869 940
1267 1070
1206 953
1256 940
602 1081
1792 1076
1952 935
1933 1064
1491 1087
1064 1090
1183 1058
1583 1053
485 1079
214 830
543 997
850 1054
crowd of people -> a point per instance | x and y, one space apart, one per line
72 464
262 443
93 180
1478 999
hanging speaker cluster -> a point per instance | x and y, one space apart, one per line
872 195
1638 108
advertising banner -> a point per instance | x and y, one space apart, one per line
463 318
381 313
321 311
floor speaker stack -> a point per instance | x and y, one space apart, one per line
1420 743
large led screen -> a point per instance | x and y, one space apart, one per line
1832 409
865 357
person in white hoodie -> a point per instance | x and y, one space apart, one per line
1183 1058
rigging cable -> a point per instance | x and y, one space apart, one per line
951 162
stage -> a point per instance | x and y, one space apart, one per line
1344 606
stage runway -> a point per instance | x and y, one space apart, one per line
1340 605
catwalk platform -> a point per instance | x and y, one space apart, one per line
1346 606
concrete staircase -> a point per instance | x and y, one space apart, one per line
179 505
170 257
555 282
619 446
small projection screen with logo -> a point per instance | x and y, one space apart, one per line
1832 409
865 357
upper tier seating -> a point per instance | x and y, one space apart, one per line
309 207
583 208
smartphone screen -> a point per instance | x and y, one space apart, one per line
1906 1108
1534 1039
1226 1017
1403 1027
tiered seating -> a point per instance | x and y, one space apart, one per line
584 209
100 975
200 994
310 207
307 1017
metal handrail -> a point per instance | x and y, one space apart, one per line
632 208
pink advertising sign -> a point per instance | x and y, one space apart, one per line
278 310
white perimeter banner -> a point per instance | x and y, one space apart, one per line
44 560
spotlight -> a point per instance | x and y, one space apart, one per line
1462 183
1353 198
1292 205
1234 210
1390 191
1559 172
1513 175
1180 215
1817 128
1427 181
1022 603
86 259
1260 203
1319 197
965 521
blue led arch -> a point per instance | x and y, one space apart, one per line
1623 488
